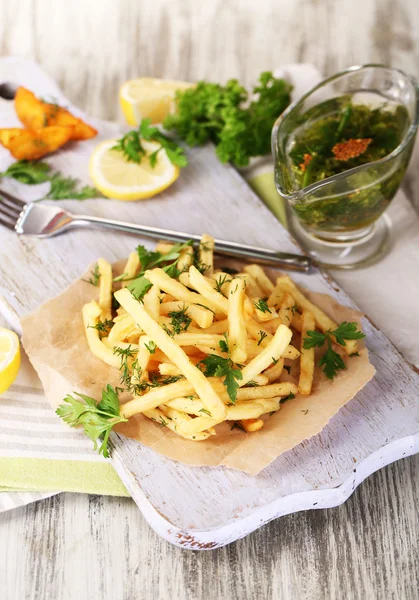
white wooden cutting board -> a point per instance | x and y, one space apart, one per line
195 507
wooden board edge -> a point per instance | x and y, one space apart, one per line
194 539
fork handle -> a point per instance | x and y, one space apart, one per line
284 260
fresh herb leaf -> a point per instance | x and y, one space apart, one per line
218 366
125 354
347 331
139 285
331 360
180 320
32 172
262 335
151 346
204 410
262 305
103 327
220 282
313 339
94 278
223 114
251 383
131 147
289 397
97 419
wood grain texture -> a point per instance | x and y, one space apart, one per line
90 48
366 548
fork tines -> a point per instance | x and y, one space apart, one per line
10 209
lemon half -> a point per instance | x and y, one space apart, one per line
121 179
149 98
9 358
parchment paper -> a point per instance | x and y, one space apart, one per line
54 339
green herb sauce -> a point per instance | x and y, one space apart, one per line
334 137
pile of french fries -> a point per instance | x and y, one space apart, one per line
47 127
256 318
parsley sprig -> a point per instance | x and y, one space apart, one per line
32 172
240 129
331 360
133 150
139 285
97 419
218 366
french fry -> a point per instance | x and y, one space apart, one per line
185 259
206 254
252 288
252 409
91 313
198 339
161 419
178 290
168 369
156 397
296 321
262 280
180 419
121 329
269 354
237 327
275 299
266 391
261 379
205 288
222 281
105 288
163 247
323 322
152 302
201 315
287 309
187 405
252 425
131 267
272 325
257 332
193 426
263 312
274 372
143 356
203 388
305 381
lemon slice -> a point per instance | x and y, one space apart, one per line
121 179
9 358
149 98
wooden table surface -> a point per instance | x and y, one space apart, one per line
87 547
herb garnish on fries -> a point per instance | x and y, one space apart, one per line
196 347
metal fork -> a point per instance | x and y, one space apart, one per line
43 220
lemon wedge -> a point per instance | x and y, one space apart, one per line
9 358
121 179
149 98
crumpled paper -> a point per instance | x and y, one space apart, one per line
54 339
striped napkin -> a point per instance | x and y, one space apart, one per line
40 456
